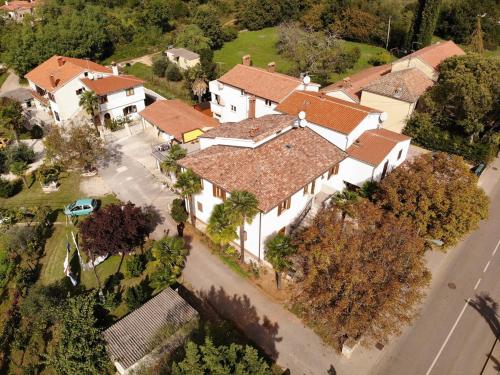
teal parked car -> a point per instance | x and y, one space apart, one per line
81 207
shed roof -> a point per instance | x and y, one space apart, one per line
128 340
182 52
436 53
175 117
20 94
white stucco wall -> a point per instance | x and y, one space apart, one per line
398 110
67 101
370 122
181 62
117 101
392 157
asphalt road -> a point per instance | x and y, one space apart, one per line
457 325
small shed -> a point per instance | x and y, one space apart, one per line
21 95
175 120
157 327
182 57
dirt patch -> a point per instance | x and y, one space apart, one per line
94 186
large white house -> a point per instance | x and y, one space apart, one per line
246 91
57 84
395 88
292 162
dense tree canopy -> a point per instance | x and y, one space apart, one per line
438 194
211 359
424 24
362 278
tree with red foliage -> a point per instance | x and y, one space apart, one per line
115 229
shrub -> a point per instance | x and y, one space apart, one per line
36 132
20 153
178 211
380 58
229 33
48 173
173 73
346 59
136 265
137 295
3 162
9 188
160 66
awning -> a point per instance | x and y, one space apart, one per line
191 135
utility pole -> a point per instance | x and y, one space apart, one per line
388 33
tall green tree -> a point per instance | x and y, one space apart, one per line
278 251
19 168
207 18
80 349
242 206
220 228
175 153
189 184
11 116
89 101
211 359
170 258
424 24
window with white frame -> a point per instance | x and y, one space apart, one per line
233 108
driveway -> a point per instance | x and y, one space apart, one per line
280 333
11 83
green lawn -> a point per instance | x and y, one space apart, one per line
162 86
261 45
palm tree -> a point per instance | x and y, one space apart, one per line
344 200
220 228
189 184
278 250
11 116
19 168
170 254
175 153
242 207
199 87
89 101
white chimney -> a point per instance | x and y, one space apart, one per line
114 67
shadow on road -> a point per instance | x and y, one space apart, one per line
113 156
243 314
487 307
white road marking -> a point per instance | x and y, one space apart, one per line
496 248
477 284
129 178
487 265
448 337
121 169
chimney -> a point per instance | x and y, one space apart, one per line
52 80
271 67
60 61
251 107
347 82
114 68
247 61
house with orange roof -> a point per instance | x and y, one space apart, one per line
293 161
395 88
246 91
17 10
58 83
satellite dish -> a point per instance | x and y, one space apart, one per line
302 115
383 116
306 80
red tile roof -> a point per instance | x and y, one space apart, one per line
255 129
176 117
62 74
320 109
17 5
374 145
110 84
436 53
407 85
353 85
260 82
273 171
